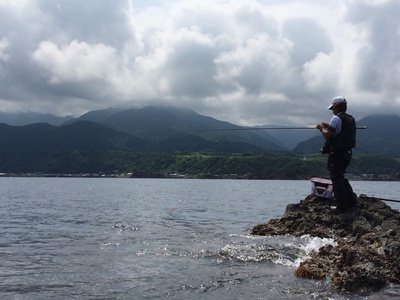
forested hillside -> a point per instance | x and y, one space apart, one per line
190 165
158 142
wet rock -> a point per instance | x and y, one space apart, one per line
367 255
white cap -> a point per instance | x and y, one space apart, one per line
338 99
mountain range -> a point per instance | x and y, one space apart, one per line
169 129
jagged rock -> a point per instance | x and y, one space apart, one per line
367 255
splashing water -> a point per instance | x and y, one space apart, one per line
281 250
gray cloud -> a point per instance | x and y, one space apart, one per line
248 62
308 38
378 59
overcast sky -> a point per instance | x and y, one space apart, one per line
249 62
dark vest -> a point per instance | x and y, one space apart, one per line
346 138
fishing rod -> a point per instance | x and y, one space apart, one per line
265 128
389 200
377 198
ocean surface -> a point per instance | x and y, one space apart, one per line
103 238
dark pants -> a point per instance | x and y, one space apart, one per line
337 164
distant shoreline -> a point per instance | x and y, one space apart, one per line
176 176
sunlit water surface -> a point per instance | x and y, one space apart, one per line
75 238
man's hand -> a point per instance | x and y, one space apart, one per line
322 125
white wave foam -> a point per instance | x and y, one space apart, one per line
281 250
313 244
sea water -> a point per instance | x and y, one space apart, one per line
102 238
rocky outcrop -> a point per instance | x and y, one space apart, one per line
367 255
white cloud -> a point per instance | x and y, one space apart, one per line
321 74
247 61
260 64
77 61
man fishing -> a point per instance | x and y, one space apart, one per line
340 138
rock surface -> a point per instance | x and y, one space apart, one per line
367 255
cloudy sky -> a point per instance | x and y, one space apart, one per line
249 62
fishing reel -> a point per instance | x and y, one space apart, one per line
326 147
